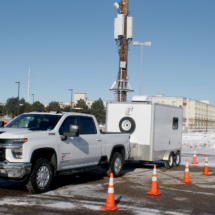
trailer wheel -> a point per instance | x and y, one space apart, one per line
127 125
169 163
177 159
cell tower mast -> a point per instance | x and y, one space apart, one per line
123 32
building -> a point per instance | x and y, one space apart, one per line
78 96
196 114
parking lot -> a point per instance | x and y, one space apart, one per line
86 193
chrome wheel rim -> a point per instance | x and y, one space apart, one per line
126 125
117 165
43 176
177 159
170 160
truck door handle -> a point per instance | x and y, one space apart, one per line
98 139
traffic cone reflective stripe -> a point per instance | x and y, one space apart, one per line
194 158
186 174
206 169
110 202
154 184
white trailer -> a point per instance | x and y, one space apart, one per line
155 129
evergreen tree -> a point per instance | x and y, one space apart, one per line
53 106
11 106
2 110
25 107
98 110
38 106
67 108
82 104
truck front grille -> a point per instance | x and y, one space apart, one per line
2 154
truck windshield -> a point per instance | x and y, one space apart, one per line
43 122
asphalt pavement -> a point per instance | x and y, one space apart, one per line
86 193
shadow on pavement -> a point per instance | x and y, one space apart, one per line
8 188
83 178
117 201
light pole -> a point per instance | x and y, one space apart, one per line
71 96
33 100
18 97
141 44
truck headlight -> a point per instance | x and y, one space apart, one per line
17 147
22 140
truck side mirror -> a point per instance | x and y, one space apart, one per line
1 124
73 131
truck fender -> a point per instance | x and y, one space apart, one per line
43 151
122 151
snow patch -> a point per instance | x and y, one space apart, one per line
199 139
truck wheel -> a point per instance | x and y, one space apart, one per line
177 159
116 165
41 176
169 163
127 125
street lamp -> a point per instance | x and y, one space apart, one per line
33 100
18 97
141 44
71 96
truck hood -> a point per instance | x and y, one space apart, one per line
13 132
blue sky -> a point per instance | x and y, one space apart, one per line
69 45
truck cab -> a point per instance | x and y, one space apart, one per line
38 145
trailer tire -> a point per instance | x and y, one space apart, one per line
169 163
127 125
177 159
41 176
116 165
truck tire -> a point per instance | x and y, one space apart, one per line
169 163
127 125
177 159
116 165
41 176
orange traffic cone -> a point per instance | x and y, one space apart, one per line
206 170
186 174
194 158
154 184
110 202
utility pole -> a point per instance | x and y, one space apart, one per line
123 32
18 97
71 96
29 74
123 51
33 102
207 120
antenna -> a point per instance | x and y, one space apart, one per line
29 77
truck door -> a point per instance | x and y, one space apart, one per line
71 150
91 140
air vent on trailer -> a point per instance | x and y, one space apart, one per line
144 98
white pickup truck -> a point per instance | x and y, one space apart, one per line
38 145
